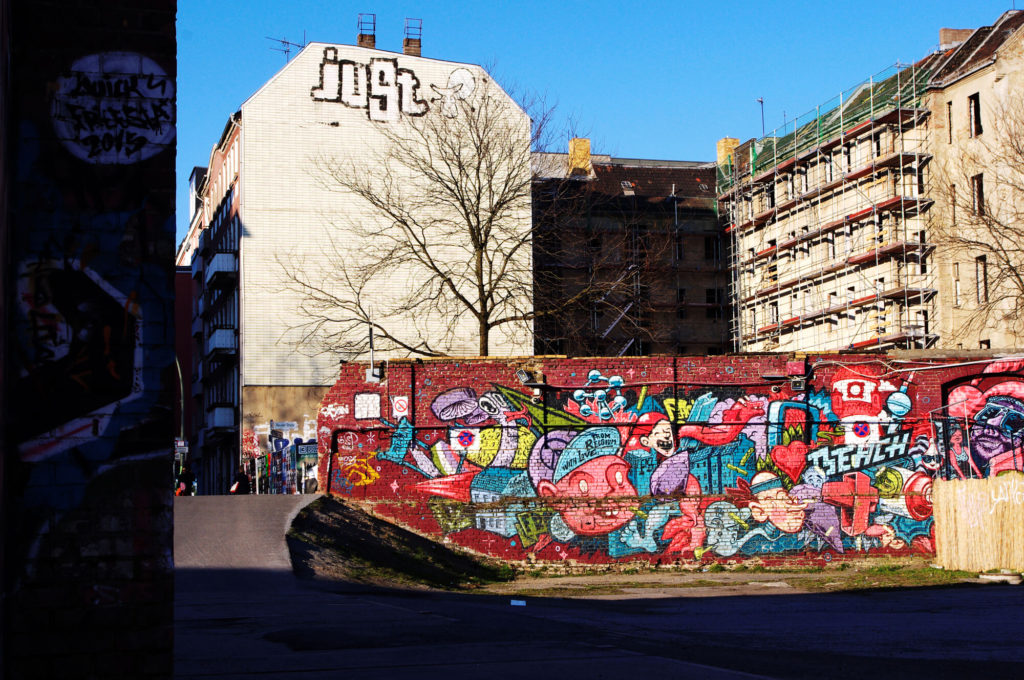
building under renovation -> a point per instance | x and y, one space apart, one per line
841 219
827 217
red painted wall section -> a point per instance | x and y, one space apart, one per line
671 458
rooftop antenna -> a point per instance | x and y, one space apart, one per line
760 100
286 46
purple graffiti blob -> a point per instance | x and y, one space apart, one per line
545 454
458 403
671 475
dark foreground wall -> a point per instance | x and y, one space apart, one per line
89 368
672 459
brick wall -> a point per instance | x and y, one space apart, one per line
673 459
89 375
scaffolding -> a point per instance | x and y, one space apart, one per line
827 220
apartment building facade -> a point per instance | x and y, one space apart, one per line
643 236
978 185
267 207
841 220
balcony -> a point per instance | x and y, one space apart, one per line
197 326
222 340
221 269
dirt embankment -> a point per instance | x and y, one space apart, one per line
333 540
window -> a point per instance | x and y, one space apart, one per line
714 297
949 122
974 114
770 194
680 303
952 203
922 321
922 262
773 312
978 195
712 248
636 243
981 278
878 145
848 158
957 296
830 240
984 344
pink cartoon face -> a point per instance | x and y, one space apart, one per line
660 439
603 480
779 508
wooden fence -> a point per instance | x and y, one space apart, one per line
979 523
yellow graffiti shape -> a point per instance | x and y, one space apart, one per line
360 472
678 409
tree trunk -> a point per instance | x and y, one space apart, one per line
485 330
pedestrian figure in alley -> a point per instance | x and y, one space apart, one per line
241 485
186 481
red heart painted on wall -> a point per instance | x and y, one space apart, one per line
791 459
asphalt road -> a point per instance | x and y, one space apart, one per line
240 613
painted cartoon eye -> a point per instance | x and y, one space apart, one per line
584 486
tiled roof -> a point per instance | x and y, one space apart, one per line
654 184
979 48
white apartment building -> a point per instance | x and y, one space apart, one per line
267 206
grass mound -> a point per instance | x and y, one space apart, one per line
333 540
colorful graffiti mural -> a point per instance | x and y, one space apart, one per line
600 465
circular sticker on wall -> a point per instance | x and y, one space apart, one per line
115 108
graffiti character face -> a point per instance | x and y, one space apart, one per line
660 439
596 496
931 459
724 524
997 428
774 504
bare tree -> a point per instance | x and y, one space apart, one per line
981 192
445 244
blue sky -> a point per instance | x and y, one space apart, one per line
651 79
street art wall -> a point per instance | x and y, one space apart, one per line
89 364
671 459
279 451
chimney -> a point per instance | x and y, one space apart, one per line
367 24
412 43
951 37
579 157
726 145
